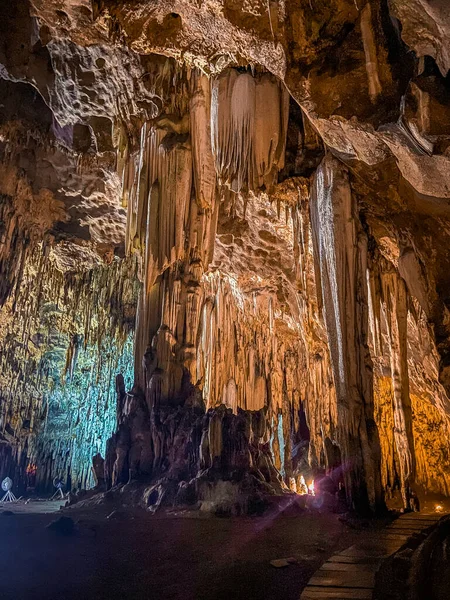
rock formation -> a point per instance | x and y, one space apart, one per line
223 247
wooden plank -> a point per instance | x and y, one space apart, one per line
361 579
350 567
412 522
380 549
355 560
421 516
424 513
401 539
416 525
419 519
406 529
315 593
407 532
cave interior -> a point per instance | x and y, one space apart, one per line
225 253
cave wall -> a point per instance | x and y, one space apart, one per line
64 338
279 171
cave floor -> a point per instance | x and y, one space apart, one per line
135 555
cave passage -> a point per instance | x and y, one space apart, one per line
224 293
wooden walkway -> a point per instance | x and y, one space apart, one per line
351 573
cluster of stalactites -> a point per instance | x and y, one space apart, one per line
236 128
79 414
410 403
242 361
62 343
170 190
375 317
248 359
169 183
87 306
249 117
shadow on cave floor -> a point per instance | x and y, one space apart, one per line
137 556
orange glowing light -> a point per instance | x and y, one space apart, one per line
302 488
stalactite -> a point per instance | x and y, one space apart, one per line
204 168
318 390
385 422
249 125
370 51
395 300
171 225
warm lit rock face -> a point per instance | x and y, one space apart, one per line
278 174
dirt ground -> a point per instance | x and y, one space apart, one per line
134 555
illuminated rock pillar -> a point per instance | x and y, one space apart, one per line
173 203
340 251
